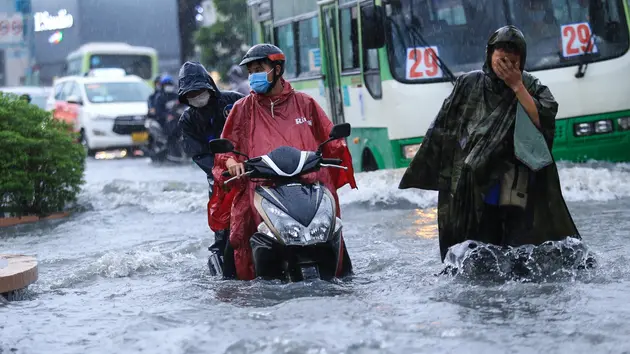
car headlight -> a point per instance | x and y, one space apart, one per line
292 232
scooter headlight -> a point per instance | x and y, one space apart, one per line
292 232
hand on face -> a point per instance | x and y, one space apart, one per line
507 71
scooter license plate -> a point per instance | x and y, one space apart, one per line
139 137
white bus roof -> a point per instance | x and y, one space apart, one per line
110 47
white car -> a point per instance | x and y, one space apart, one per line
108 112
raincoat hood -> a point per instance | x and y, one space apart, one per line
506 34
193 76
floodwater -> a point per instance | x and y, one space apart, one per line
128 274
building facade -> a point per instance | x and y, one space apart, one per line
15 59
61 26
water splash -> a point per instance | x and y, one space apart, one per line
586 182
123 264
548 261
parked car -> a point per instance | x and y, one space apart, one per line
39 95
107 110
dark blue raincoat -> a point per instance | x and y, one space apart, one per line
200 125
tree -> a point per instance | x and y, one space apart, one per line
187 26
224 43
41 163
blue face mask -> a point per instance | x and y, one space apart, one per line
258 82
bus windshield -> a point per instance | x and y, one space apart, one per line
557 33
117 92
139 65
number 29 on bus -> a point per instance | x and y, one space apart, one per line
422 63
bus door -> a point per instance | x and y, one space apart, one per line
329 57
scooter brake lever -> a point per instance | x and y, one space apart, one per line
334 166
237 177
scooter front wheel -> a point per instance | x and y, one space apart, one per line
309 272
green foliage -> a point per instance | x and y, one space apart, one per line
41 163
224 43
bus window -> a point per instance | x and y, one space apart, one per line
285 41
74 66
139 65
451 12
557 30
457 30
349 39
310 60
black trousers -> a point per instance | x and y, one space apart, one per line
502 225
221 245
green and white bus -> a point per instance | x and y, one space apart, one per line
385 66
135 60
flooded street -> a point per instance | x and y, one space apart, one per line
128 274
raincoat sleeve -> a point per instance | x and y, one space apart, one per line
220 205
236 130
195 143
334 149
547 109
430 168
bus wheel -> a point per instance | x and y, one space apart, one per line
368 162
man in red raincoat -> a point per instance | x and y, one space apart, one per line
273 115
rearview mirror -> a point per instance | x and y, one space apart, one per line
221 146
373 26
339 131
74 100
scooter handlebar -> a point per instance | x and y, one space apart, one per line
326 161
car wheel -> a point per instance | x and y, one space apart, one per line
86 145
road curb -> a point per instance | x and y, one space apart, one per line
12 221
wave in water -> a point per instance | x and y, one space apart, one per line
123 264
579 183
550 260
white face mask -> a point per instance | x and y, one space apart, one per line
200 100
169 89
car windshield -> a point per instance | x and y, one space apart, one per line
117 92
557 33
139 65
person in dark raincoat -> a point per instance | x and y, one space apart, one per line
200 123
274 115
238 80
488 154
165 102
164 99
151 100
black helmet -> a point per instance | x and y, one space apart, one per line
510 36
265 51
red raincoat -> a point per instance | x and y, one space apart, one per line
257 125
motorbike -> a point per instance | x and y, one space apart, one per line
300 236
161 147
